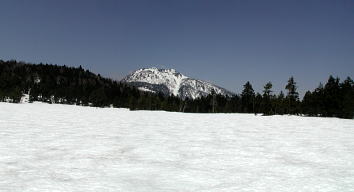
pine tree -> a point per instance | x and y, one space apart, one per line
280 106
257 104
266 101
318 101
267 89
307 105
332 97
213 100
247 98
293 96
347 93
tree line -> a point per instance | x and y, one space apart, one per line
74 85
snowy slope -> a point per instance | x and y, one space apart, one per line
171 82
55 147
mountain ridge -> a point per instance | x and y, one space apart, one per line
172 82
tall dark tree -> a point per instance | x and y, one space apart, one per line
308 104
267 99
347 98
267 89
247 98
257 104
292 96
213 100
332 97
317 105
280 104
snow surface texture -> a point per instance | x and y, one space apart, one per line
171 82
56 147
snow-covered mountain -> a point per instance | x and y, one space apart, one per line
171 82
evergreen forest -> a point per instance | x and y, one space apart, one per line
77 86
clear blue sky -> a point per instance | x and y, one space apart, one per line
223 41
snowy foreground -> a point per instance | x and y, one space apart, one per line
47 147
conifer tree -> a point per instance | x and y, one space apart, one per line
213 100
347 93
266 101
280 104
332 97
247 98
293 96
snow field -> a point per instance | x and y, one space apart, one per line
56 147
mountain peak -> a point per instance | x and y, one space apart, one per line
171 82
156 69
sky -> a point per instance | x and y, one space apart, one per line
222 41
